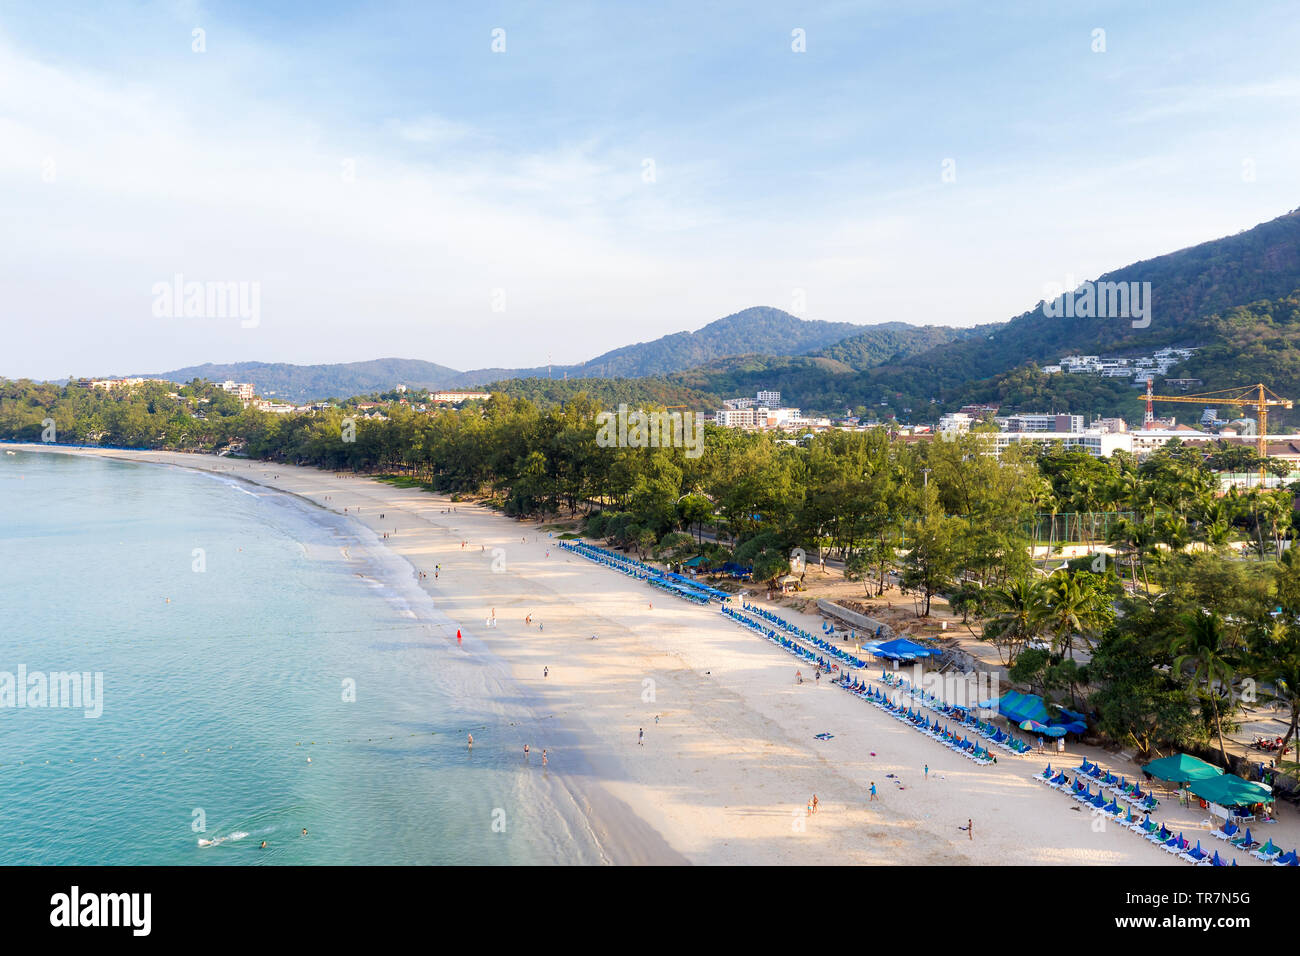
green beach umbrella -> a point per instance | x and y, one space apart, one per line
1231 791
1182 768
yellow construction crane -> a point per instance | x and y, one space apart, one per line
1259 395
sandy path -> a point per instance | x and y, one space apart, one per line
726 771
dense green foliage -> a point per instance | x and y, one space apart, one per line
607 393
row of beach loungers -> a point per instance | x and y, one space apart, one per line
1270 852
1080 790
785 643
964 745
1125 792
820 643
920 722
1000 738
671 583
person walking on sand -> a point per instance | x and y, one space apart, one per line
873 791
970 829
543 758
814 805
546 672
927 771
640 736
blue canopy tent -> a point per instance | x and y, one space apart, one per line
902 649
1018 708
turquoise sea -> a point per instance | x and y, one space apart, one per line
227 621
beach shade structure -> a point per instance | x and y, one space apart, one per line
1018 708
1287 859
696 561
1216 860
901 649
1231 791
1182 768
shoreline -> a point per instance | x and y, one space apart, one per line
730 756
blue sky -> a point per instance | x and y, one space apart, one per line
397 188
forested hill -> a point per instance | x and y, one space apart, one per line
761 329
1262 263
1231 297
893 341
301 383
758 329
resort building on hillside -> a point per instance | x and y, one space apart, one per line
244 390
734 418
455 398
108 384
955 423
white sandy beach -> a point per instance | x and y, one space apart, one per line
727 768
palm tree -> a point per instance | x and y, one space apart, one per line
1019 615
1136 538
1067 611
1204 645
1215 522
1277 512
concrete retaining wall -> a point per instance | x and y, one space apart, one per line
859 622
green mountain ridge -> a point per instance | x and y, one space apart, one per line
777 332
1219 296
